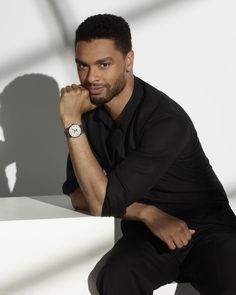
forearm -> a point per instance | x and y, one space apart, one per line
93 181
171 230
143 212
135 211
74 102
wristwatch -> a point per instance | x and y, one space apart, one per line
74 130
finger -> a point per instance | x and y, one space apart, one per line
192 231
171 244
74 86
68 88
184 241
82 87
178 242
185 237
62 90
188 234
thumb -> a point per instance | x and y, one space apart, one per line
192 231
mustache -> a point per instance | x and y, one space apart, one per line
91 85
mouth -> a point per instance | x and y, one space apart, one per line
96 90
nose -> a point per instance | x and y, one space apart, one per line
92 75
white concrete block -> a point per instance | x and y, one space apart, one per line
51 255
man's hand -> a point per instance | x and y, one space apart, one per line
74 101
171 230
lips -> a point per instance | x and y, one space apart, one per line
96 90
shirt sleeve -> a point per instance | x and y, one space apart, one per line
71 183
161 143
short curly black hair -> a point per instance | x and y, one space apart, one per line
105 26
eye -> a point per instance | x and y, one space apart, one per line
104 65
81 67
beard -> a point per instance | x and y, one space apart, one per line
111 91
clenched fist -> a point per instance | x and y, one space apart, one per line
74 101
170 229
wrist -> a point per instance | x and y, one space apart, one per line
67 121
135 211
149 213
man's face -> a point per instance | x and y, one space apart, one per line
102 69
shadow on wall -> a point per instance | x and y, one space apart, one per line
34 138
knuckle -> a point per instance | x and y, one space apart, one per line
85 92
168 242
179 229
183 223
188 237
169 237
184 227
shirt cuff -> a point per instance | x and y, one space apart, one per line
115 198
69 187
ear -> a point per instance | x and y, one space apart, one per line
129 61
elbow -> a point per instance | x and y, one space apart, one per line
96 210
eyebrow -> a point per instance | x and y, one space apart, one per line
108 58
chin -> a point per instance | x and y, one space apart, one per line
98 101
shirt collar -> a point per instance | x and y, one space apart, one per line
104 117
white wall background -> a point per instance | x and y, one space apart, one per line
185 48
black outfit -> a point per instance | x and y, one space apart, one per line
153 155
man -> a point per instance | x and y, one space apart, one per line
134 154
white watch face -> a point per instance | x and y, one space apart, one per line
75 130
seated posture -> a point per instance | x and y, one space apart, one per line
134 154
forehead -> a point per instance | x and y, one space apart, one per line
96 49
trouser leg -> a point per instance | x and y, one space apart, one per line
137 265
211 264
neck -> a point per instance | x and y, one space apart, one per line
117 104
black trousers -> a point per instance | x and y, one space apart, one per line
140 262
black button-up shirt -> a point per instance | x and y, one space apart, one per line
153 156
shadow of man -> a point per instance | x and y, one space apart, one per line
34 138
